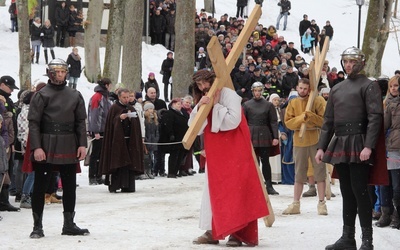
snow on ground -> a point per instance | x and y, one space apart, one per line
164 213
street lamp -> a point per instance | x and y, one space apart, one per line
359 3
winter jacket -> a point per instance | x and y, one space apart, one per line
23 125
303 26
392 123
170 23
62 16
99 105
329 31
166 67
289 82
175 125
306 40
74 22
74 65
159 24
285 6
152 84
152 135
241 3
242 79
48 36
35 32
3 157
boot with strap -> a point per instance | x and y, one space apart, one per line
70 228
384 220
366 239
347 240
37 226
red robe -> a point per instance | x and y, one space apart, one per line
236 195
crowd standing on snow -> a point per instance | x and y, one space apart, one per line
131 135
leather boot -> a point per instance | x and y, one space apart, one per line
46 57
70 228
37 226
270 188
37 57
366 239
396 223
347 240
384 220
52 54
4 203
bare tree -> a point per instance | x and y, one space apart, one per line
132 45
184 52
24 45
92 40
376 35
114 40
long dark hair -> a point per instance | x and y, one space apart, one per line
201 75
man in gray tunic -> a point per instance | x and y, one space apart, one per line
263 123
57 140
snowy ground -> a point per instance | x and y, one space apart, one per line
163 213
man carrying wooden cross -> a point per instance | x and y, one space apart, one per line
305 147
233 198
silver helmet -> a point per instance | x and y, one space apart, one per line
257 85
53 66
356 54
353 53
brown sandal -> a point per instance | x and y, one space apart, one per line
206 238
233 242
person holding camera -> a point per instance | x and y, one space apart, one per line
285 7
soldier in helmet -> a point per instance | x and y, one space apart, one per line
349 134
263 123
57 143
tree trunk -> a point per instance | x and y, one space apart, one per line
184 52
114 40
395 9
208 5
2 2
376 35
24 45
132 45
92 40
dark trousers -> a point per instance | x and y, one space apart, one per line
43 173
262 153
175 161
395 178
61 31
354 188
239 12
160 161
94 159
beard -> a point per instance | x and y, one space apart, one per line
205 91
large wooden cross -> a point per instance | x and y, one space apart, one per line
222 69
315 73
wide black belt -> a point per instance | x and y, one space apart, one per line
57 128
350 128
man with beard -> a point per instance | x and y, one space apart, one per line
57 135
263 123
348 140
124 146
304 148
230 168
97 115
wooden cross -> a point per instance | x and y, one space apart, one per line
222 69
315 73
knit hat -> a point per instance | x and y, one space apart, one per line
148 105
273 96
151 74
138 95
